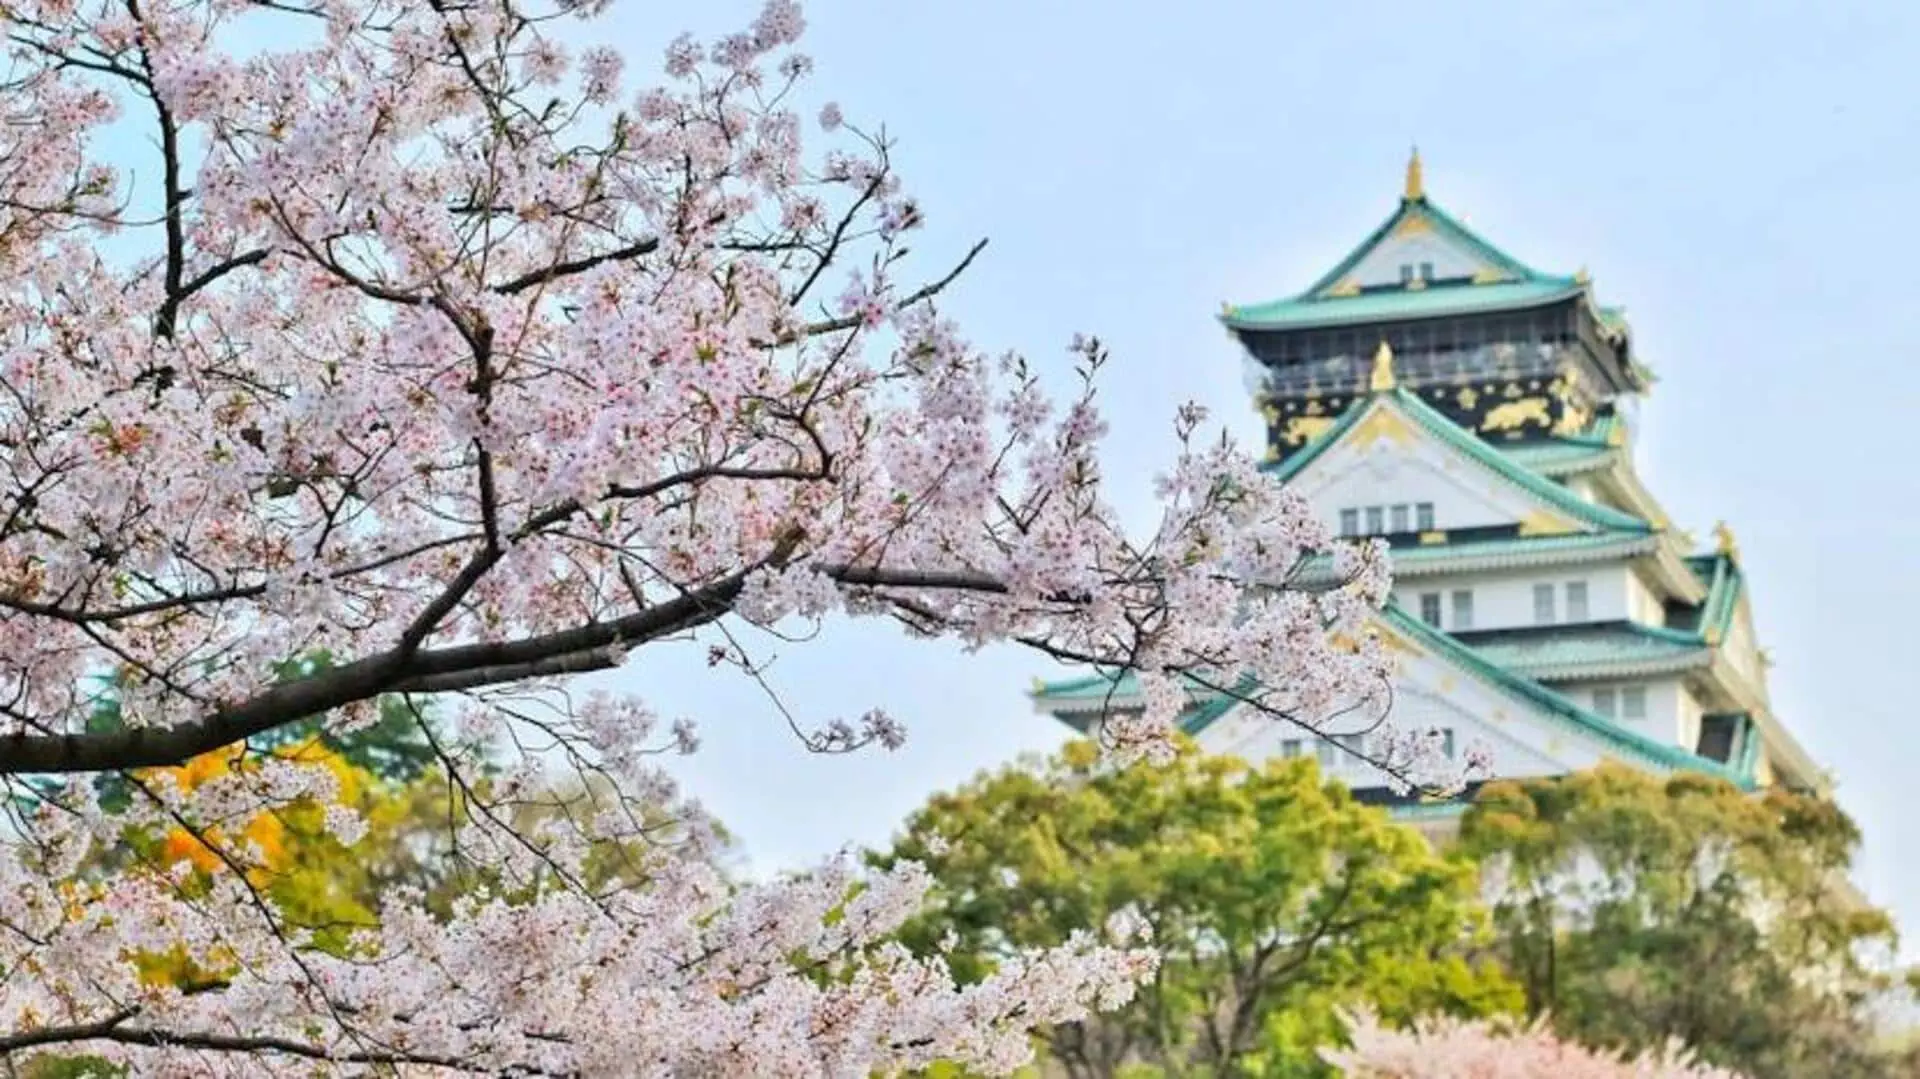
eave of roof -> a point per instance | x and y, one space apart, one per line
1599 650
1546 702
1508 283
1399 304
1625 742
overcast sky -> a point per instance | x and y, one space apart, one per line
1740 176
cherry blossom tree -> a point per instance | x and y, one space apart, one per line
444 352
1481 1049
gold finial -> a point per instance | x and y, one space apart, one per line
1416 187
1582 277
1723 540
1039 687
1382 379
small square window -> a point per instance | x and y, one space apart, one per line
1633 702
1349 522
1463 610
1576 601
1406 272
1543 605
1423 516
1604 702
1430 608
1325 753
1446 741
1426 271
1376 520
1401 521
1290 748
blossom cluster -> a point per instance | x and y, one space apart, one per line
446 352
1442 1048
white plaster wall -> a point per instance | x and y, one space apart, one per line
1665 707
1742 650
1385 473
1505 600
1643 603
1673 712
1382 265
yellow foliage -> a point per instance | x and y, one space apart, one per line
266 830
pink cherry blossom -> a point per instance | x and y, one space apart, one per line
418 362
1444 1048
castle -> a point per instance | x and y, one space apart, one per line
1477 414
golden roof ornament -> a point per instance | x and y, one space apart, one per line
1382 379
1416 184
1723 540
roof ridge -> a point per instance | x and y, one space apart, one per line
1421 206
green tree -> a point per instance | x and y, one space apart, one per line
1636 909
1273 897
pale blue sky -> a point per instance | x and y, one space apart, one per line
1739 176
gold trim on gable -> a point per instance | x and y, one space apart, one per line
1543 523
1382 423
1514 415
1431 538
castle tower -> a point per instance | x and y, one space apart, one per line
1435 391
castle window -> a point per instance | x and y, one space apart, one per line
1430 608
1462 609
1576 601
1376 520
1349 522
1290 748
1400 519
1446 741
1406 272
1633 702
1423 516
1426 271
1543 605
1604 702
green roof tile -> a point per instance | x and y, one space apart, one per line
1518 285
1619 739
1627 742
1612 649
1302 312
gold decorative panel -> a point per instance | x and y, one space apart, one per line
1514 415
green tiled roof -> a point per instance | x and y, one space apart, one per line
1611 650
1565 454
1626 742
1444 224
1301 312
1471 445
1093 690
1519 550
1618 739
1558 458
1518 284
1724 581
